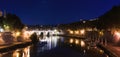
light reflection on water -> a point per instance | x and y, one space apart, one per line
24 52
46 44
51 42
77 42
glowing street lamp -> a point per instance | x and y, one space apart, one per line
101 33
77 32
82 43
76 41
17 34
71 32
116 36
101 51
71 40
82 31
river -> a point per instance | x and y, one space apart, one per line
55 46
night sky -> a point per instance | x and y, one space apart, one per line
56 11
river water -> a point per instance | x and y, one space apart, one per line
55 46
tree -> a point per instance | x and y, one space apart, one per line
111 18
34 38
13 22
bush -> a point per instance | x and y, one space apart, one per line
34 38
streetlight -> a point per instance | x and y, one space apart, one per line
82 43
82 31
71 32
84 21
116 36
17 34
76 41
76 32
71 40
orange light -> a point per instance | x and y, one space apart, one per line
17 33
116 36
82 43
71 40
76 32
101 51
82 31
76 41
16 54
101 33
26 52
71 32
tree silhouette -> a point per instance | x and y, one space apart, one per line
111 18
13 22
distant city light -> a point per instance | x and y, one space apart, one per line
89 29
82 31
55 30
17 34
1 30
116 36
76 41
101 51
101 33
84 21
27 34
71 40
71 32
77 32
82 43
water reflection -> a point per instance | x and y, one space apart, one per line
16 53
49 43
25 52
46 44
77 41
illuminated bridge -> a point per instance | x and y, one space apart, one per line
45 32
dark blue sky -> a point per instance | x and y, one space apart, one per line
56 11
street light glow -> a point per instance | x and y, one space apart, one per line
82 43
71 32
116 36
16 54
77 32
71 40
101 33
82 31
17 33
76 41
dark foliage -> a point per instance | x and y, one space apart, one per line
12 21
110 19
34 38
